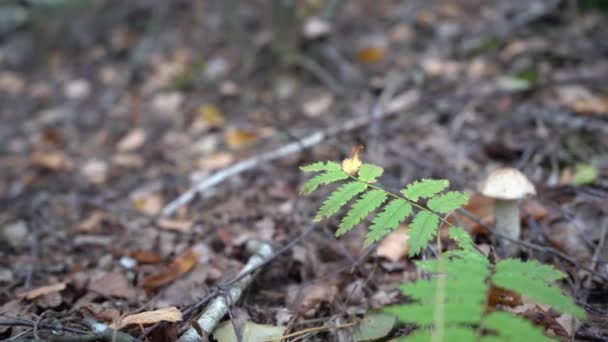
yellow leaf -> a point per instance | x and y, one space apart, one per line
211 115
171 314
237 138
370 55
352 165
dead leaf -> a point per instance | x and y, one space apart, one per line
370 55
216 161
211 115
178 267
352 165
501 296
128 160
95 170
237 138
146 257
394 246
581 100
91 223
112 284
177 225
149 204
132 141
42 291
315 106
315 294
481 207
53 161
170 314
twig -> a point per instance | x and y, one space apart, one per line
294 147
313 329
241 275
219 306
100 332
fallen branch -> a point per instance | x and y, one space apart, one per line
219 306
401 103
99 332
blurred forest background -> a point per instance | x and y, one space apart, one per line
121 120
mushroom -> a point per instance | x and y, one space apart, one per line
507 186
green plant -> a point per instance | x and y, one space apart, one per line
452 305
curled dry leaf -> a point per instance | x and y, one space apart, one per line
91 223
43 291
53 161
170 314
237 138
132 141
112 284
177 225
352 165
394 246
146 257
178 267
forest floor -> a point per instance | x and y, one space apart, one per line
110 113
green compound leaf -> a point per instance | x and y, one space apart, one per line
534 281
324 178
368 173
463 238
448 201
423 228
339 198
509 327
424 188
368 202
321 166
394 212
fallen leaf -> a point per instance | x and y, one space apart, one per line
252 332
42 291
170 314
112 284
216 161
315 294
394 246
352 165
177 225
148 204
374 326
127 160
53 161
146 257
581 100
237 138
91 223
501 296
211 115
95 170
178 267
370 55
479 206
315 106
132 141
584 174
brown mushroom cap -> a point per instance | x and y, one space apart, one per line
506 184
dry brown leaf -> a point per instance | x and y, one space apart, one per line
112 284
54 161
317 105
178 267
149 204
177 225
146 257
501 296
321 291
352 165
481 207
42 291
394 246
128 160
132 141
211 115
237 138
91 223
170 314
216 161
370 55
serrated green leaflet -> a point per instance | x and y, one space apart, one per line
448 202
368 202
394 212
368 173
423 228
424 188
338 198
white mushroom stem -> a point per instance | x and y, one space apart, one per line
506 214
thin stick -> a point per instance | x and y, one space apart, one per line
294 147
219 306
